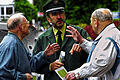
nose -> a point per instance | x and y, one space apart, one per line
29 24
58 15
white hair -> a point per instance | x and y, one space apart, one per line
102 14
14 20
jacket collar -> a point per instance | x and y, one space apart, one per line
51 37
105 31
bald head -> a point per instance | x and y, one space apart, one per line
102 14
14 20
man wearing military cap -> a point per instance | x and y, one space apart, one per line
55 14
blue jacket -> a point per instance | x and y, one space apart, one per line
15 60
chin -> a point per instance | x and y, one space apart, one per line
26 33
59 27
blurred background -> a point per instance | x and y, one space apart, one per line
78 12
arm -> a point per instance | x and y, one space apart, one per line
77 36
86 46
8 65
51 49
102 60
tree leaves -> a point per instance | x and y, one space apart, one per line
28 9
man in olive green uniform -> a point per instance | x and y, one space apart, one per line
56 15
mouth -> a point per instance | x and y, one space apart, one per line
59 22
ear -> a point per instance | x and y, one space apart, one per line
48 19
20 27
96 23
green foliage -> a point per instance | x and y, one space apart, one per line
28 9
79 11
39 4
4 20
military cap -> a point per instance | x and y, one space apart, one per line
54 5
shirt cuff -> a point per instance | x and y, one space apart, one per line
22 77
50 67
86 45
77 75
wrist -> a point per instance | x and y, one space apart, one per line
81 41
23 76
45 53
77 75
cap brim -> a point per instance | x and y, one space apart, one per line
55 9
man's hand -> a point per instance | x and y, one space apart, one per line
75 34
51 49
70 76
55 65
29 77
75 48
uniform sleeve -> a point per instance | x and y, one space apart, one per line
101 61
8 65
44 68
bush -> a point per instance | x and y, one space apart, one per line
28 9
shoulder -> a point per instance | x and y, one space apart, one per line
77 27
8 43
46 33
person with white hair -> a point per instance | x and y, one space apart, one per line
16 63
102 52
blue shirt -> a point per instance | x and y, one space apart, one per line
15 60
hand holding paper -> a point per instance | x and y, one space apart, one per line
55 65
70 76
61 71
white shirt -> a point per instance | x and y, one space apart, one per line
103 56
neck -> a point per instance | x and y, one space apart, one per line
103 25
17 33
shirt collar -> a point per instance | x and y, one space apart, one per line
62 30
105 30
15 36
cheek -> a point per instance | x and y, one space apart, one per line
63 17
93 27
26 27
53 20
